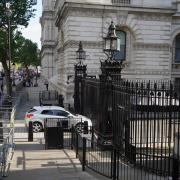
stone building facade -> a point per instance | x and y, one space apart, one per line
151 43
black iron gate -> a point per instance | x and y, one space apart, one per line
146 117
145 125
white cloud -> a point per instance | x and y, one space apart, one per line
33 32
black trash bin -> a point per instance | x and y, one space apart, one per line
53 134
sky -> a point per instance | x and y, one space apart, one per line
33 30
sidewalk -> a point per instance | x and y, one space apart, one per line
32 162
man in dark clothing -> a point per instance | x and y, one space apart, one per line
1 83
46 84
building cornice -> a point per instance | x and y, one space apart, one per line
110 8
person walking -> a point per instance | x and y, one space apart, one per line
46 83
1 83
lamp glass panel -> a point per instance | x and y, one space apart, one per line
107 44
80 54
113 44
118 44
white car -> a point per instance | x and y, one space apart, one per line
38 114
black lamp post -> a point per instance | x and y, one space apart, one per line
80 53
9 13
111 68
13 76
80 73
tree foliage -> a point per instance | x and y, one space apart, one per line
21 12
25 51
18 14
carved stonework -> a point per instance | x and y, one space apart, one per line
152 72
87 44
154 17
143 46
85 13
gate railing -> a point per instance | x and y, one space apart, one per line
143 118
7 145
91 153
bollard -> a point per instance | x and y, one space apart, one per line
175 172
85 127
84 154
92 137
30 132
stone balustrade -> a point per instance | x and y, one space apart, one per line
138 3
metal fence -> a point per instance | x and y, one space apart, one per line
6 138
146 117
142 122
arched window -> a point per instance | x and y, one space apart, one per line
177 49
121 45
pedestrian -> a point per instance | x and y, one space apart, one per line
46 84
2 87
1 84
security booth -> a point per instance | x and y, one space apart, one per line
53 132
50 97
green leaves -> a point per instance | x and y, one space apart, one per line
3 45
21 12
24 51
27 53
18 14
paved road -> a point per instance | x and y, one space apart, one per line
33 99
32 161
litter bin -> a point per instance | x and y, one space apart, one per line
53 134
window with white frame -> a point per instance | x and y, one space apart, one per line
177 49
121 2
121 45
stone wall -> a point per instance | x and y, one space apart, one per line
151 27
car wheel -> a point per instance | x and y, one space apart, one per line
37 127
79 127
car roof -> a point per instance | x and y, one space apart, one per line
48 107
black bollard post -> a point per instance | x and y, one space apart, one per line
175 172
92 137
84 154
30 132
85 127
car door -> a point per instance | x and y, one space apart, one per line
64 116
48 113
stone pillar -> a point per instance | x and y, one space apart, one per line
177 6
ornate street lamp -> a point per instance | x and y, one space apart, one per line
111 68
110 42
80 53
